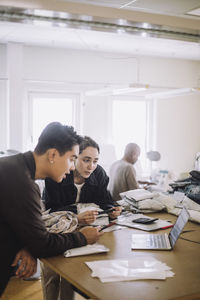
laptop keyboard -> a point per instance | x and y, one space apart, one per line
156 241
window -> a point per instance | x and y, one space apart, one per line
130 125
46 108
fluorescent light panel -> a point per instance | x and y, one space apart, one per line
135 88
109 91
128 90
171 93
194 12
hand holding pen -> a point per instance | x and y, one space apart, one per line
107 226
106 211
116 212
113 212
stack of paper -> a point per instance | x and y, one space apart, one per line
138 194
85 250
141 200
139 268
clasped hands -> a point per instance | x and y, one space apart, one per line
27 266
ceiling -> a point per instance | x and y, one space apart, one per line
140 27
169 7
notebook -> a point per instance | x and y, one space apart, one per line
127 220
161 241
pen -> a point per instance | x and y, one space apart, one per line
106 226
167 226
107 211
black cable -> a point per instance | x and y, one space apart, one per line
189 239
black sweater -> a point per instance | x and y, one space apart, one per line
21 224
62 196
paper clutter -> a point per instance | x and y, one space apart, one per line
139 268
86 250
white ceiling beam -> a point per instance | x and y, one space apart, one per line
104 12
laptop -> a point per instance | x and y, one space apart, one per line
161 241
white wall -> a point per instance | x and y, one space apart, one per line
77 66
3 99
97 118
170 72
3 50
37 65
16 85
4 115
178 137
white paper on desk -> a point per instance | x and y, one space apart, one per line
101 221
85 250
113 228
82 207
178 196
135 269
126 220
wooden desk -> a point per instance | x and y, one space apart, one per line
184 260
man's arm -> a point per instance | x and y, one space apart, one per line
131 178
22 212
103 197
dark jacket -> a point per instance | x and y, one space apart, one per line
62 196
189 186
21 224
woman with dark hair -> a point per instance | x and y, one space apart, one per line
86 184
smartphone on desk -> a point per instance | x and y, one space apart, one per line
144 220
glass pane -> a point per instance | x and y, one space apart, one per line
129 126
46 110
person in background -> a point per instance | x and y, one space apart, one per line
122 172
86 184
23 233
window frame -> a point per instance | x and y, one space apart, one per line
50 94
150 138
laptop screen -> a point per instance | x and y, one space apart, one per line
178 226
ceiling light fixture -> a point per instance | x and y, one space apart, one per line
111 91
134 88
171 93
128 90
194 12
